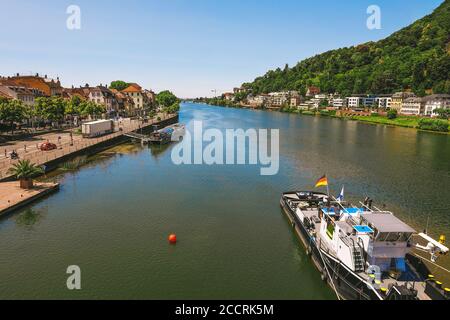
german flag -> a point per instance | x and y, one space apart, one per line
322 182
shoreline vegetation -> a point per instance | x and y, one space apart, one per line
413 122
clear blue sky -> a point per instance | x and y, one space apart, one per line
188 46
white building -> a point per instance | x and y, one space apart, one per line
104 96
436 101
279 99
338 103
384 102
19 93
355 102
413 106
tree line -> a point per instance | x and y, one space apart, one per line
46 110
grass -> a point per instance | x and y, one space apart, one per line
402 121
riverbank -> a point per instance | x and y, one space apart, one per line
412 122
74 145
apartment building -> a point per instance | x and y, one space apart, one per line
398 98
413 106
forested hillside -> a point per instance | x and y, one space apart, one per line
416 57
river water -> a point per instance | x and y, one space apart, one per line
113 216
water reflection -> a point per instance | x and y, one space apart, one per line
29 218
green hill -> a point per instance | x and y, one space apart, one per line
416 57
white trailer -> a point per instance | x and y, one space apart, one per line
96 128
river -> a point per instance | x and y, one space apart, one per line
112 217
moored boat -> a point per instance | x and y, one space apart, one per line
168 134
362 252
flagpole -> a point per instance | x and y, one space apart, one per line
328 188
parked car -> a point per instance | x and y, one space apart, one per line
48 146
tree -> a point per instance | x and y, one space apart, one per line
166 99
51 109
25 171
392 114
442 113
12 111
173 108
119 85
92 109
73 106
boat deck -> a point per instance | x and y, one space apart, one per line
410 278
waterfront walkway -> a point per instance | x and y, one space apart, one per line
12 196
67 142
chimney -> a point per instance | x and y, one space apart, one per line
17 74
73 87
45 76
37 74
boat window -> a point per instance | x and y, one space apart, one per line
393 236
404 237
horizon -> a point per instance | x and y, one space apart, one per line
225 44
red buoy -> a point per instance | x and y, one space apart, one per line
173 239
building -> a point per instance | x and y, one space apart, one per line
124 104
239 90
337 102
279 99
141 101
436 101
370 101
296 100
413 106
151 97
69 93
398 98
355 102
259 101
103 96
229 96
18 93
312 91
49 87
383 102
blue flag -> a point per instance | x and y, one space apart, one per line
341 195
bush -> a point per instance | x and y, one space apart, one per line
392 114
433 124
327 113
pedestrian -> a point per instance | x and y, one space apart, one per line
59 139
6 154
25 147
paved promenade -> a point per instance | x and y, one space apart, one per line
67 144
12 196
